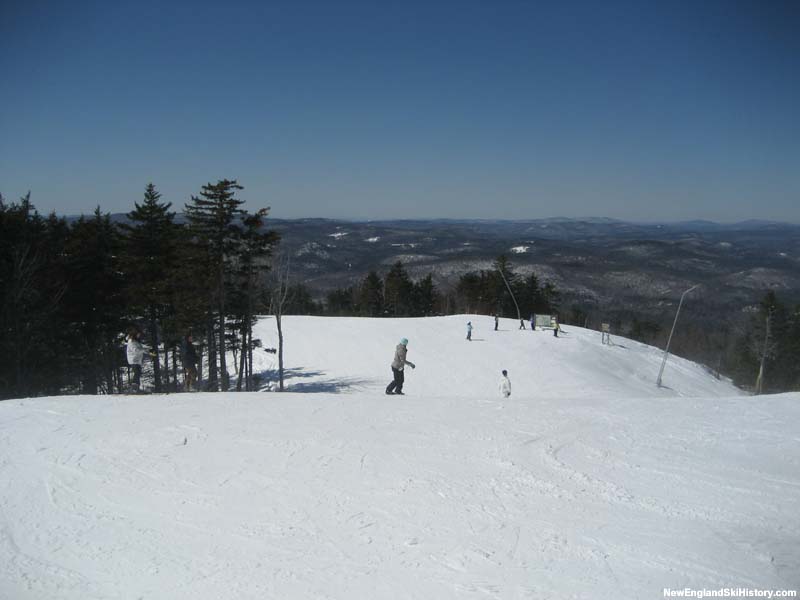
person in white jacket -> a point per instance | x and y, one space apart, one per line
505 385
135 352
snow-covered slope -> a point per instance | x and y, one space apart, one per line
588 482
353 354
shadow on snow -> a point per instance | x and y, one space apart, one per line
293 382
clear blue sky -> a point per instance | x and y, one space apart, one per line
638 110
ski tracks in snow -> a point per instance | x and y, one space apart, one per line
380 497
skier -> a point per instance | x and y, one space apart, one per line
135 352
556 329
189 362
469 330
496 322
398 364
505 385
522 323
533 322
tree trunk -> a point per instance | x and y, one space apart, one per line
760 379
212 354
166 368
280 351
175 369
154 345
242 356
250 381
223 364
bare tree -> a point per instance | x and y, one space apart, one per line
279 291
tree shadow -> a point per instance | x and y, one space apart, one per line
293 382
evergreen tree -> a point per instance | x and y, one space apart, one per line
469 293
398 290
340 302
149 256
426 297
94 302
301 302
31 290
370 296
214 216
254 249
188 294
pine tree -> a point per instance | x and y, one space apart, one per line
341 302
254 250
426 297
398 290
214 216
149 256
31 290
94 302
370 296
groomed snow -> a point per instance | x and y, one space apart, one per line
589 482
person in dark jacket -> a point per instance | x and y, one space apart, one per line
189 362
398 364
496 322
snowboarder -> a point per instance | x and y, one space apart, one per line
496 322
189 362
135 352
469 331
398 364
505 385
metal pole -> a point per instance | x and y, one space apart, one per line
519 316
675 322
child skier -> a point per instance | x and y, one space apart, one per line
505 385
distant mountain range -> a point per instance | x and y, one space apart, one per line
601 264
593 261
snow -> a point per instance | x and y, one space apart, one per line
338 235
589 482
372 240
520 249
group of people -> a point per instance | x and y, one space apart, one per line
556 328
400 361
136 352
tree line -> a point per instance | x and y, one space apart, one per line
70 291
497 291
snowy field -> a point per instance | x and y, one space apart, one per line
589 482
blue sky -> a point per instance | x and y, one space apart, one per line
636 110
